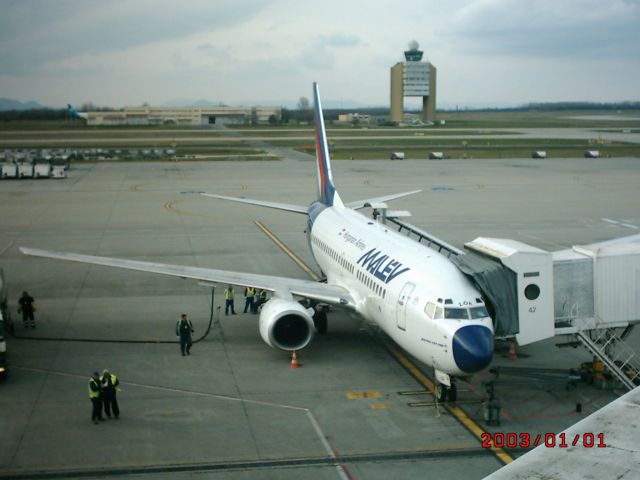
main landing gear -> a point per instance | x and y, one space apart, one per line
320 318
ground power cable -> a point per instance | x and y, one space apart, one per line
96 340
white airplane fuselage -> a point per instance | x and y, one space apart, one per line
393 279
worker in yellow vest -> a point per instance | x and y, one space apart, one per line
95 395
262 299
228 301
109 383
249 299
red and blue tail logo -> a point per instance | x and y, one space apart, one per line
326 189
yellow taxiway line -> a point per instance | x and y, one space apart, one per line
456 411
288 251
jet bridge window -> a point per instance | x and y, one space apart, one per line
456 313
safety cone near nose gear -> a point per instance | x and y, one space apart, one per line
512 355
294 361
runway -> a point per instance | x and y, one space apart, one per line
234 409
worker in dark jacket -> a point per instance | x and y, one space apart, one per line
262 299
95 395
27 307
184 329
109 383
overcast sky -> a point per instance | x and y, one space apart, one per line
117 52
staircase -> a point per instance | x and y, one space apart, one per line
614 353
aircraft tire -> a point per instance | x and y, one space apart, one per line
441 393
453 392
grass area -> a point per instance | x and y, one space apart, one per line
360 132
78 124
449 143
348 142
561 119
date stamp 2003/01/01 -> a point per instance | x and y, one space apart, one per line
549 440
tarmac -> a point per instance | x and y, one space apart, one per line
234 409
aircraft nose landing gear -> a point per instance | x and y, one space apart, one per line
445 387
446 393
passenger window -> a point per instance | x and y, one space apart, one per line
439 315
430 309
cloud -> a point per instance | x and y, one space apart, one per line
340 39
320 52
587 28
119 52
34 32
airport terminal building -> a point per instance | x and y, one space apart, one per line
191 116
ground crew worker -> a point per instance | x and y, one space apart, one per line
109 383
262 298
228 301
27 307
249 294
95 397
184 329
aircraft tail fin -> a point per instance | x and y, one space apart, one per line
327 193
73 113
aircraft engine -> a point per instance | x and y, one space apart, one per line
286 325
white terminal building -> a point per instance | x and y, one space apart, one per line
193 116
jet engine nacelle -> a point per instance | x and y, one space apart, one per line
286 324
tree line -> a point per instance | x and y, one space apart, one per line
304 111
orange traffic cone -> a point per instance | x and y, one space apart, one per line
294 361
512 350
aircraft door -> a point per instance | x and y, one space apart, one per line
401 306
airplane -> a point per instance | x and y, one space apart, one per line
73 113
415 294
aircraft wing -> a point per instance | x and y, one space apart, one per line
282 286
278 206
367 202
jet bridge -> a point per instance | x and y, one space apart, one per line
591 292
588 291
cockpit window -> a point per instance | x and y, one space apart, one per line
456 313
439 315
430 309
478 312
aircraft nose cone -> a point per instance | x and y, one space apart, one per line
473 348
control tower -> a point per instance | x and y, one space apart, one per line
413 78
